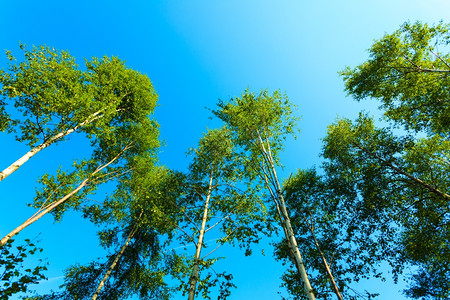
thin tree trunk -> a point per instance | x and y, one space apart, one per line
116 260
42 213
195 271
18 163
285 221
324 261
50 207
294 247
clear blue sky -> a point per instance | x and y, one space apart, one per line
196 52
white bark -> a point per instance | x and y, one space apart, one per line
50 207
116 260
18 163
285 221
195 272
42 213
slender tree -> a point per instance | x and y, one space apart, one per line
215 202
321 225
132 222
56 98
260 123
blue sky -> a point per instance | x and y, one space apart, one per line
196 52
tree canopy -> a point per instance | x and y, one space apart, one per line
399 178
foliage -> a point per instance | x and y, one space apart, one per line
112 105
234 200
55 95
264 114
399 179
138 202
408 73
260 124
116 141
139 272
318 213
14 278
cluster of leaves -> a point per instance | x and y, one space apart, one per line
14 276
408 73
216 197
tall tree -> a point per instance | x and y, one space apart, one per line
408 73
133 221
321 225
56 98
217 203
260 123
115 140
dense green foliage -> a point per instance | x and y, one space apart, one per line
260 124
408 73
15 276
217 202
398 180
320 220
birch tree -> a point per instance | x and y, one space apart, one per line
132 222
260 123
56 98
401 176
115 140
320 219
217 204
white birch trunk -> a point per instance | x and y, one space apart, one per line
42 213
195 271
285 221
50 207
116 260
18 163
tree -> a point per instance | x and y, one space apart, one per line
260 124
115 139
133 220
395 188
216 202
320 221
408 73
56 98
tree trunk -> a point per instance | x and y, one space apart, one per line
18 163
195 271
50 207
116 260
42 213
285 221
324 261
